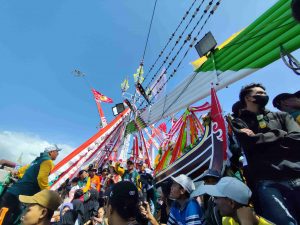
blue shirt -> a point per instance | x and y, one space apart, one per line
190 215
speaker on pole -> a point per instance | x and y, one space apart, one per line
118 108
206 44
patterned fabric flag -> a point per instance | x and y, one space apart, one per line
124 149
131 127
100 97
138 76
125 85
71 164
140 123
148 93
218 119
163 127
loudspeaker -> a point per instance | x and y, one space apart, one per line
118 109
206 44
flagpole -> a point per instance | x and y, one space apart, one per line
138 80
103 121
101 114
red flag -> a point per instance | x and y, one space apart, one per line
218 119
163 127
100 97
135 149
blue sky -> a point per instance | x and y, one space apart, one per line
41 42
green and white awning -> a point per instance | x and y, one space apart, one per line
252 49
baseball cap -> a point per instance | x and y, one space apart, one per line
229 187
92 170
52 148
124 191
280 97
46 198
130 160
185 182
210 173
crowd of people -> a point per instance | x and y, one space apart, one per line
269 142
260 183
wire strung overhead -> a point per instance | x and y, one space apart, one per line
176 43
144 52
190 46
170 39
149 30
188 38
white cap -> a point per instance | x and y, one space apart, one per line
200 190
185 182
52 148
229 187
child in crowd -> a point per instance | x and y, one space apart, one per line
99 220
74 187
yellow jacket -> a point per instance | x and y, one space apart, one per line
230 221
124 173
22 171
45 169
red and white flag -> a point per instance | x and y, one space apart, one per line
218 119
100 97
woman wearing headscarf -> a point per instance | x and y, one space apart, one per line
91 205
78 207
67 214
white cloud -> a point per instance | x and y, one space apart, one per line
13 144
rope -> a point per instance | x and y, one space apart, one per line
188 38
170 39
150 26
176 43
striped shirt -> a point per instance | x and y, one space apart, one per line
190 215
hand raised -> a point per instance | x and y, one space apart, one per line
247 131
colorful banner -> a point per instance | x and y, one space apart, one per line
100 97
125 85
138 76
68 166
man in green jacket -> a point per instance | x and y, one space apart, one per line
130 174
34 180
